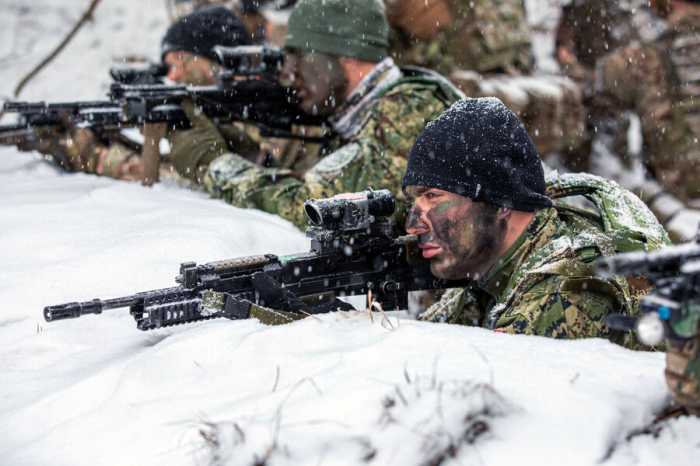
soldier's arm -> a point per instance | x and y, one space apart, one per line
375 157
548 311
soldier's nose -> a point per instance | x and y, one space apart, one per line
416 223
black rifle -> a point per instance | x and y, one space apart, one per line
102 117
248 91
672 309
352 253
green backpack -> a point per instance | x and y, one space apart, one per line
621 215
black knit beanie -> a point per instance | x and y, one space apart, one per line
480 150
202 29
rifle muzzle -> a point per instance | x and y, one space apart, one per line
72 310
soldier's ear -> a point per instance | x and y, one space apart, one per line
503 212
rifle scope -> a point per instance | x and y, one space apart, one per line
350 211
249 60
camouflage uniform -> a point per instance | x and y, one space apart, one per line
550 107
544 284
482 35
632 66
122 163
481 45
375 134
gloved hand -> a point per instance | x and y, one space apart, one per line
89 150
273 295
683 374
121 163
194 148
79 153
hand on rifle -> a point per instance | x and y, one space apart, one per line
195 148
80 152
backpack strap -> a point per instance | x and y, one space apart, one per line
424 75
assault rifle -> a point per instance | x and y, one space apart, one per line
247 91
352 253
672 309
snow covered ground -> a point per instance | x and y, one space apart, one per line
337 389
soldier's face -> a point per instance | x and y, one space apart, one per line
458 236
318 79
188 68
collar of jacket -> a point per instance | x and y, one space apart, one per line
540 229
347 120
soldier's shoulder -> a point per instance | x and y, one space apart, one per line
413 87
408 98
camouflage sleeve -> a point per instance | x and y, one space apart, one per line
549 310
457 306
375 157
115 163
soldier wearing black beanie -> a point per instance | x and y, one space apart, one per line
199 31
476 181
479 149
479 210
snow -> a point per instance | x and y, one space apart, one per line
543 17
336 389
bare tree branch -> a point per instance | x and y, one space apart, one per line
86 17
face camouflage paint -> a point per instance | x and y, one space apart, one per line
319 81
457 235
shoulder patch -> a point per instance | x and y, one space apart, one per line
339 159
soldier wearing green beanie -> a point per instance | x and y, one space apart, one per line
337 64
330 29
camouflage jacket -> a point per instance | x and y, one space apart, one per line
123 163
658 81
544 284
480 35
373 152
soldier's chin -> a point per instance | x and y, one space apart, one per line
440 270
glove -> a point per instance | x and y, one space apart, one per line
50 141
121 163
273 295
195 148
80 153
683 373
89 150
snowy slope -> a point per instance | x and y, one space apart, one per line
338 389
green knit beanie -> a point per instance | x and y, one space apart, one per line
347 28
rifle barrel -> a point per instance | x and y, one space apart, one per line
96 306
